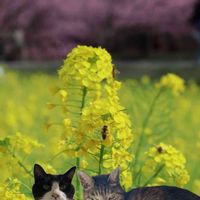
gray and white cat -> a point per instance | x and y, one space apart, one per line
53 187
107 187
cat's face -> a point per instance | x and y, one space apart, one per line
102 187
52 187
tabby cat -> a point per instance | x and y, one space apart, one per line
107 187
52 187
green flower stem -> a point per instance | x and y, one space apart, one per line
20 163
77 181
144 125
84 93
83 98
25 169
56 155
27 187
101 158
154 175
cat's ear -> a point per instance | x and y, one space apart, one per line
114 176
70 173
86 181
38 171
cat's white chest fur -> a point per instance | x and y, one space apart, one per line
55 193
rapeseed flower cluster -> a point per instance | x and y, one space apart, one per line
11 190
174 82
165 157
87 66
94 121
13 150
24 143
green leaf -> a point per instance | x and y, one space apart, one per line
93 59
5 142
106 116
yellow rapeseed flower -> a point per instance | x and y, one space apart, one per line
62 94
11 190
173 82
172 160
87 66
24 143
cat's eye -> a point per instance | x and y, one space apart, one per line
63 187
46 187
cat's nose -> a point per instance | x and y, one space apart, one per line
55 195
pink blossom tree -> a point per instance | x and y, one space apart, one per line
52 27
